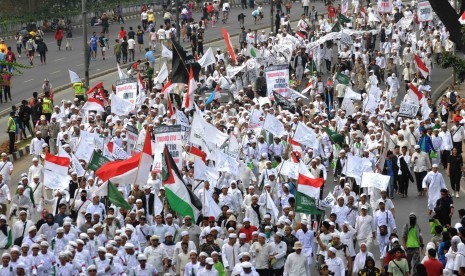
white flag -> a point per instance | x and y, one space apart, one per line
84 150
376 180
120 107
226 163
165 52
274 126
121 74
73 77
211 209
351 94
304 135
348 106
162 74
203 172
271 206
207 59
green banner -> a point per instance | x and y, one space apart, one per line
97 160
307 205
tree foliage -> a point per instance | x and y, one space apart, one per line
17 69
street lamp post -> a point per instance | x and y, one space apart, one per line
272 17
178 25
86 48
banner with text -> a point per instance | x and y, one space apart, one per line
424 11
277 79
384 6
171 136
127 89
408 110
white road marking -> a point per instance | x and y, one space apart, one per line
80 65
59 59
53 73
28 80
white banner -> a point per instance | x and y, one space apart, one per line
127 90
408 110
404 23
120 107
207 59
290 169
277 79
203 172
157 157
384 6
346 39
375 180
56 181
233 70
132 134
424 11
171 136
255 119
274 126
356 166
84 151
304 135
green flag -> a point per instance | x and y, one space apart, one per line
341 78
334 136
307 205
115 197
336 27
97 160
343 19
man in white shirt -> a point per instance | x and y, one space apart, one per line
421 165
446 145
365 227
35 169
36 145
279 252
6 169
230 253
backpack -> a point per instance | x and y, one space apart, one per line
453 97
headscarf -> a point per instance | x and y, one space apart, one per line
454 243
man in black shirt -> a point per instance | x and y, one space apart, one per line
124 49
131 33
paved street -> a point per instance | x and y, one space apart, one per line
58 62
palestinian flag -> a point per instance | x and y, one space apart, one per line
181 199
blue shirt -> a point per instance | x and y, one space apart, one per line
93 41
150 56
389 170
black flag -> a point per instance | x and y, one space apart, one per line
181 64
283 102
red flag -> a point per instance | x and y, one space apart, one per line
421 66
462 18
227 39
92 89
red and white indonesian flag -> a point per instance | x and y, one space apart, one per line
414 94
166 89
308 87
309 186
421 66
462 19
192 85
295 145
134 170
94 104
198 153
56 171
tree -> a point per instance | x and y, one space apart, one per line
449 18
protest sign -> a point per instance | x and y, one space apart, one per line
408 110
424 11
126 89
384 6
171 136
131 134
277 79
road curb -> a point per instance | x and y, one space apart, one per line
19 153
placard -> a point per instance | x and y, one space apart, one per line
424 11
131 134
171 136
384 6
408 110
277 79
127 89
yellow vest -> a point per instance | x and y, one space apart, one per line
46 105
12 127
78 88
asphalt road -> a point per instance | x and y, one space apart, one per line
58 62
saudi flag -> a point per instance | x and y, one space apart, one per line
114 196
334 136
97 160
342 78
181 199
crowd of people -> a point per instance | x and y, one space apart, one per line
252 221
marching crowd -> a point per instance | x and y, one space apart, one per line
355 114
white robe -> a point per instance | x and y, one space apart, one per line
434 182
296 265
